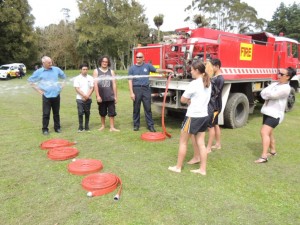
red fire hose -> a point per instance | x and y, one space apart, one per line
54 143
157 136
62 153
85 166
102 183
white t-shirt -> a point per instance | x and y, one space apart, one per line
275 96
85 83
199 96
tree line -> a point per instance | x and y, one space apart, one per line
114 27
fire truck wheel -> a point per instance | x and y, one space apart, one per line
291 100
236 111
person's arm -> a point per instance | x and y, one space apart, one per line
132 95
32 81
186 96
84 96
91 89
114 82
275 93
96 88
164 71
184 100
62 76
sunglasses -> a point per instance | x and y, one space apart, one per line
139 57
282 74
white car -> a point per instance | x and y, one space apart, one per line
8 71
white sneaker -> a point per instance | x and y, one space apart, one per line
174 169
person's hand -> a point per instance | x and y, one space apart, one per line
116 100
41 92
99 99
85 98
132 96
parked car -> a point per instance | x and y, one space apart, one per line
21 65
9 71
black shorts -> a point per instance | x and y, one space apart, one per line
213 119
107 108
193 125
270 121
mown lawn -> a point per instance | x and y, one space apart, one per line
37 190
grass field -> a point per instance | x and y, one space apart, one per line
37 190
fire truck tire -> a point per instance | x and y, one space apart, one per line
236 111
291 100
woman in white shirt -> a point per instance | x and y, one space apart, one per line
275 96
197 96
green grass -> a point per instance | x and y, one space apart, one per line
37 190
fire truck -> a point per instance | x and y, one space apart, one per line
250 62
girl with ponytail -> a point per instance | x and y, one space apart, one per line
197 96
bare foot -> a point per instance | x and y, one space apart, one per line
114 129
174 169
101 128
208 150
216 146
193 161
198 171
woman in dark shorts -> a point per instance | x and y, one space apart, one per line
275 96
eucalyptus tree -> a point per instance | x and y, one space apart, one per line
158 21
286 20
227 15
110 27
17 37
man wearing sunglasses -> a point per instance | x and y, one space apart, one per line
275 96
140 90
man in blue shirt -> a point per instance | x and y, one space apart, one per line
140 90
45 82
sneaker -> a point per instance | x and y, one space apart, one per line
80 130
136 128
58 130
174 169
45 132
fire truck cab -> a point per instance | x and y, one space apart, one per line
250 62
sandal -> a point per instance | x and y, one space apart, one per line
261 160
272 153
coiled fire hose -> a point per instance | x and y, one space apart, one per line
54 143
84 166
158 136
102 183
62 153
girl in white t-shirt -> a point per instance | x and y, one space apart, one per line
197 96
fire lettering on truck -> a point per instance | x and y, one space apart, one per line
246 51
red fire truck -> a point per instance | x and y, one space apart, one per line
249 63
